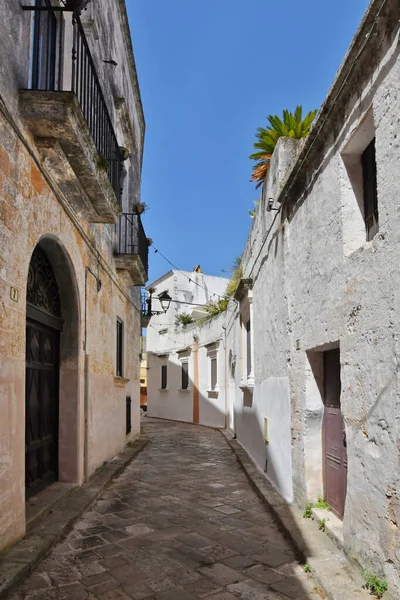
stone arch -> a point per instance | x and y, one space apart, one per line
69 444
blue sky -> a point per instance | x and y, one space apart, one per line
209 72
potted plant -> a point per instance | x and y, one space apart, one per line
141 208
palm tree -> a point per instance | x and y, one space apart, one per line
293 126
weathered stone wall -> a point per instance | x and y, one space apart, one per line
33 210
318 284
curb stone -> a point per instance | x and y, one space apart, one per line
331 569
20 559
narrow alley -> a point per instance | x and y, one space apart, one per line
182 522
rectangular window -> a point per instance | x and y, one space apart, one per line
368 160
248 347
185 375
128 415
46 51
213 373
164 377
120 348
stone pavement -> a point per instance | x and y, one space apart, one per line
180 523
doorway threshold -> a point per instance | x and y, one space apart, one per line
37 506
332 525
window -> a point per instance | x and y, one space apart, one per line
213 373
45 60
128 415
163 377
212 353
248 348
185 375
370 190
120 348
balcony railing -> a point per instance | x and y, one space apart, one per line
50 68
132 245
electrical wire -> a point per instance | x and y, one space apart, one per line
156 251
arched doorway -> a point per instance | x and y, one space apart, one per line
43 327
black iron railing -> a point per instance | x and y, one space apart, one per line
47 70
131 238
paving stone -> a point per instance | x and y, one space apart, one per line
272 557
290 588
238 562
263 574
221 574
180 523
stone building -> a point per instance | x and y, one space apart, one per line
186 362
73 252
312 342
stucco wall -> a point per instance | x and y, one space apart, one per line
318 284
33 210
170 349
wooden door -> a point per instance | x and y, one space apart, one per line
42 377
335 479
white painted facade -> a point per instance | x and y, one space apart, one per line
312 282
172 345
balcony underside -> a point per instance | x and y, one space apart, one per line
67 148
133 264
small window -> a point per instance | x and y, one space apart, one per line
185 375
368 161
120 348
248 347
142 381
213 373
164 377
128 415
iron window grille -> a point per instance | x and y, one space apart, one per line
213 373
47 75
164 377
120 349
185 376
371 216
128 415
248 348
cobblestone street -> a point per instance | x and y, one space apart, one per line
180 523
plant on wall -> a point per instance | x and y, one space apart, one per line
252 213
184 319
215 308
293 126
237 274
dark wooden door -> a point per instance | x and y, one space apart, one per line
335 480
42 383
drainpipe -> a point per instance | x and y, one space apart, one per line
196 379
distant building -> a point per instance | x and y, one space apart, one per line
183 370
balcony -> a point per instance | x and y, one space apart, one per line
132 251
66 112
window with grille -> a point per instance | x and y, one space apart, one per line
368 161
248 348
164 377
128 415
185 376
213 373
120 349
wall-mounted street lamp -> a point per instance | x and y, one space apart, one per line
75 5
165 301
